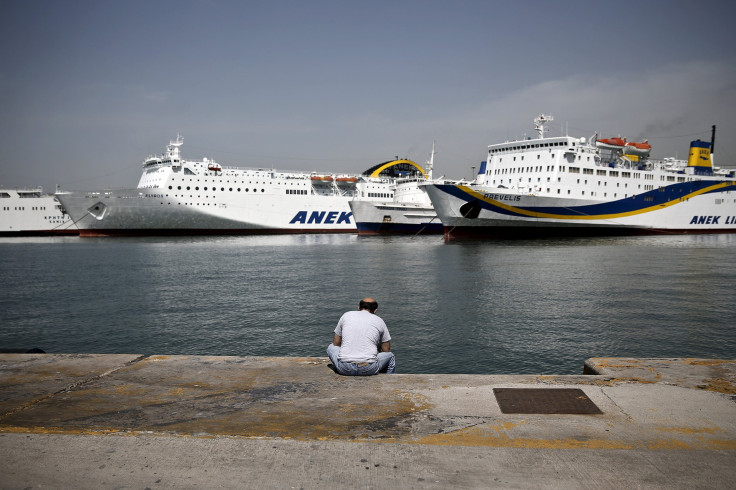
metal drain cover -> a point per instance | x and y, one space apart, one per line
545 400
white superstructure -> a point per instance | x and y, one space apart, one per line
28 211
409 212
573 186
178 196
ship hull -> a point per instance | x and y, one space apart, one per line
693 208
41 233
151 212
29 212
391 218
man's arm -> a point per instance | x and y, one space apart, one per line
385 346
337 340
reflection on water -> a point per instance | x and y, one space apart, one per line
458 307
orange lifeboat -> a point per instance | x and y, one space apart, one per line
322 179
349 180
640 149
610 143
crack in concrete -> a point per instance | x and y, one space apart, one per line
69 388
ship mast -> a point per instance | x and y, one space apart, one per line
173 148
430 163
539 123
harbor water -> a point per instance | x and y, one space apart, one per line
482 307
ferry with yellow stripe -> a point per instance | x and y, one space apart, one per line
409 211
566 186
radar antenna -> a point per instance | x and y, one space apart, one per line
173 149
539 123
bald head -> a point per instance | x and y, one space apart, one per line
369 304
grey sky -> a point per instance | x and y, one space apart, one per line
90 88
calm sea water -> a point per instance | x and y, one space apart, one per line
464 307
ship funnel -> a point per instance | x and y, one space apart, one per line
699 161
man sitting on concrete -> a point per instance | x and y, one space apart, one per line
358 337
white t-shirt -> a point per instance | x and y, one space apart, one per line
362 332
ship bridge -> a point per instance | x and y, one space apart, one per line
395 169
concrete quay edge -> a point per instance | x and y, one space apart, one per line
673 419
301 398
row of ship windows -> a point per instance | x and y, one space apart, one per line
605 194
529 147
249 182
380 194
215 189
538 157
23 208
559 180
589 171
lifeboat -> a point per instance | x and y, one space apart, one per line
346 181
322 179
639 149
214 168
610 143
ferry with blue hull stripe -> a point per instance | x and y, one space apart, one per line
565 186
201 197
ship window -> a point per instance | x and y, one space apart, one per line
222 188
196 188
179 187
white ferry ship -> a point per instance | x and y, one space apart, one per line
28 212
181 197
409 212
558 186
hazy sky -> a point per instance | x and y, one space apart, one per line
88 89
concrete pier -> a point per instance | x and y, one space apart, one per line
133 421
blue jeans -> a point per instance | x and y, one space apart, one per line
386 363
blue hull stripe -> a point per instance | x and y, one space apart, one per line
641 203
